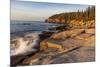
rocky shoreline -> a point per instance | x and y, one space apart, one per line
74 24
68 46
44 33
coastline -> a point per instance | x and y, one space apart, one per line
62 43
72 41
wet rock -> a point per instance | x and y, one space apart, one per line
45 35
59 28
16 59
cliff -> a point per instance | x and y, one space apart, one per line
79 19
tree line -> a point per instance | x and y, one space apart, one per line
86 15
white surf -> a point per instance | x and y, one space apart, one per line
25 46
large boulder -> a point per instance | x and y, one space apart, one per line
66 34
49 44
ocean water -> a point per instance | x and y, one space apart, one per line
20 28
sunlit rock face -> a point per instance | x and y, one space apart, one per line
24 45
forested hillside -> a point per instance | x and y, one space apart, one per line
79 19
88 14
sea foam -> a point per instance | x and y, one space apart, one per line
25 45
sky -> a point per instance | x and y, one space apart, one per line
39 11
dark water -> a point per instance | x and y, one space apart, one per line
19 28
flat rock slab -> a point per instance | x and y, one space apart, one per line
84 36
83 54
75 50
77 46
66 34
77 42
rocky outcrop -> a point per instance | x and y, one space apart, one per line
73 20
77 45
58 28
46 44
77 48
67 34
74 24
